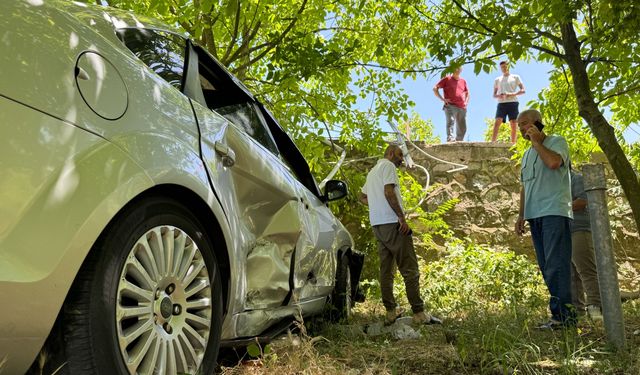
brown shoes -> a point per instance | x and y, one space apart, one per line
393 315
418 318
424 318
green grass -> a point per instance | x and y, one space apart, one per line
491 303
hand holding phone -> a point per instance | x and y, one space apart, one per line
533 134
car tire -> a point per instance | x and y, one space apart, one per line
341 302
117 320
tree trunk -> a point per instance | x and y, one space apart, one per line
598 124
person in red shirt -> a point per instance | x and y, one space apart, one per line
456 97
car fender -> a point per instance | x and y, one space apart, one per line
43 253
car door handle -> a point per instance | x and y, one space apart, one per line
226 153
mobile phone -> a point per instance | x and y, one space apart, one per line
538 125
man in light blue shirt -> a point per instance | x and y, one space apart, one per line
545 203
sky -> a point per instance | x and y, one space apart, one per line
482 105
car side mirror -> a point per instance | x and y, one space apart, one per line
334 190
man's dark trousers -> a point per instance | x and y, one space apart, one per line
551 237
394 247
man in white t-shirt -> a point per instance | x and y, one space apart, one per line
506 89
381 192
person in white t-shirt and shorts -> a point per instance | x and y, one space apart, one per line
506 89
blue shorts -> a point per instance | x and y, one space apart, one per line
507 109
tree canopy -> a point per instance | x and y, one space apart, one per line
314 62
593 43
310 61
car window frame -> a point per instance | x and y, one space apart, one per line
286 151
290 153
193 89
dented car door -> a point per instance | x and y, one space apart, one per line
262 206
257 192
286 239
322 235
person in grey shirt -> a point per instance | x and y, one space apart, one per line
584 275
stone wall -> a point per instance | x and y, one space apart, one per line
489 196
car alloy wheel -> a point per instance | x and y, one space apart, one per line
164 308
148 299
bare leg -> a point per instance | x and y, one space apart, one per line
514 133
496 129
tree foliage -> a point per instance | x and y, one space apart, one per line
332 67
416 128
594 42
315 63
325 68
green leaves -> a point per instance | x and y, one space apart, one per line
255 350
231 7
309 60
590 40
464 287
335 65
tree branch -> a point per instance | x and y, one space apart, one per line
425 70
210 37
631 89
394 69
590 18
461 27
319 117
474 18
234 34
339 28
276 41
547 34
548 51
186 25
591 59
566 96
251 29
244 49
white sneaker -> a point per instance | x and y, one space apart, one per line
594 312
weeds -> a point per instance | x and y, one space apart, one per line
490 301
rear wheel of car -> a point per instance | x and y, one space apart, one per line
341 303
148 299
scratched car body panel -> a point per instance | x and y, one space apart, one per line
103 113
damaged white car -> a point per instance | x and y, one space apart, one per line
151 209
